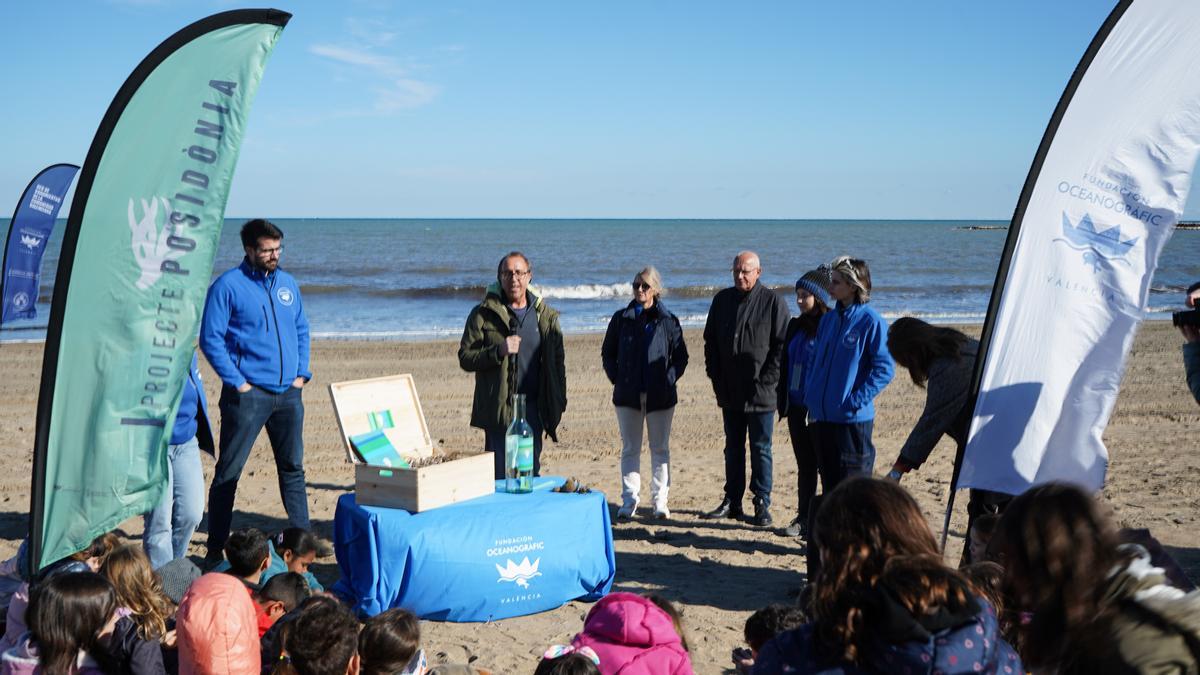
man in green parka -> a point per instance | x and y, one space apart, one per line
514 345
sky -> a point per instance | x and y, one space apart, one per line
621 109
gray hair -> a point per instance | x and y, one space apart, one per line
650 276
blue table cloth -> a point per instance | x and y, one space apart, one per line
489 558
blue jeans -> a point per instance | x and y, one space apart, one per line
243 416
169 526
843 450
758 426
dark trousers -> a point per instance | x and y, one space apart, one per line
493 442
758 427
981 502
242 418
843 450
806 462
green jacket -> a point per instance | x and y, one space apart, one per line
496 377
1156 629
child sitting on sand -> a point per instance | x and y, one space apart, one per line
135 645
89 559
293 550
762 627
390 642
279 595
321 640
564 660
247 555
216 627
633 635
68 613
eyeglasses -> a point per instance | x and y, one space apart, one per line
744 271
639 286
278 250
519 274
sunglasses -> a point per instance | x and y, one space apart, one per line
639 286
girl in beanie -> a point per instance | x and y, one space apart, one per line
812 298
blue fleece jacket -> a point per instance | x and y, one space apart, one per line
848 366
254 329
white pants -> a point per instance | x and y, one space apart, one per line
658 426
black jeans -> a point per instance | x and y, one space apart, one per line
243 416
806 462
758 427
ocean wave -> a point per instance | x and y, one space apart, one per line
938 317
585 291
387 334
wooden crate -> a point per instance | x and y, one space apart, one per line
416 490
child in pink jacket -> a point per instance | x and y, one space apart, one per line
633 636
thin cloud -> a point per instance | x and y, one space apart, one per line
355 57
395 89
372 32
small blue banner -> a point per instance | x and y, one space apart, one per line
28 232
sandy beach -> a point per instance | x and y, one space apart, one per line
718 572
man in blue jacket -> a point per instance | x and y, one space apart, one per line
255 335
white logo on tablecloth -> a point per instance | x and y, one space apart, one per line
521 574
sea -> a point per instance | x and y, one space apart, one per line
416 279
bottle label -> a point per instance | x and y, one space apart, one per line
525 454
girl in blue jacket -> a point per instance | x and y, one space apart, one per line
813 300
849 366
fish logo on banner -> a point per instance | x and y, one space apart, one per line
150 242
1099 247
520 574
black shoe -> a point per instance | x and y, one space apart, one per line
795 529
727 509
211 560
762 515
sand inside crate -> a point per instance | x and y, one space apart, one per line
437 458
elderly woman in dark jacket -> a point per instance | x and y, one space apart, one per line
644 355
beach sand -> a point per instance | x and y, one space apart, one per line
718 572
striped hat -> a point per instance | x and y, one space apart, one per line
817 282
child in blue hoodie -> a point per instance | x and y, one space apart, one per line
849 366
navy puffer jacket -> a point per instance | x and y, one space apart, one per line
644 349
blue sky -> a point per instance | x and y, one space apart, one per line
562 109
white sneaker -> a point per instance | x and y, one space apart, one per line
662 512
626 512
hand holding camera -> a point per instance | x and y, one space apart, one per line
1188 322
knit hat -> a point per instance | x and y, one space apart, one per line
177 576
817 282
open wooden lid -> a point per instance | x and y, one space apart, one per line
389 404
